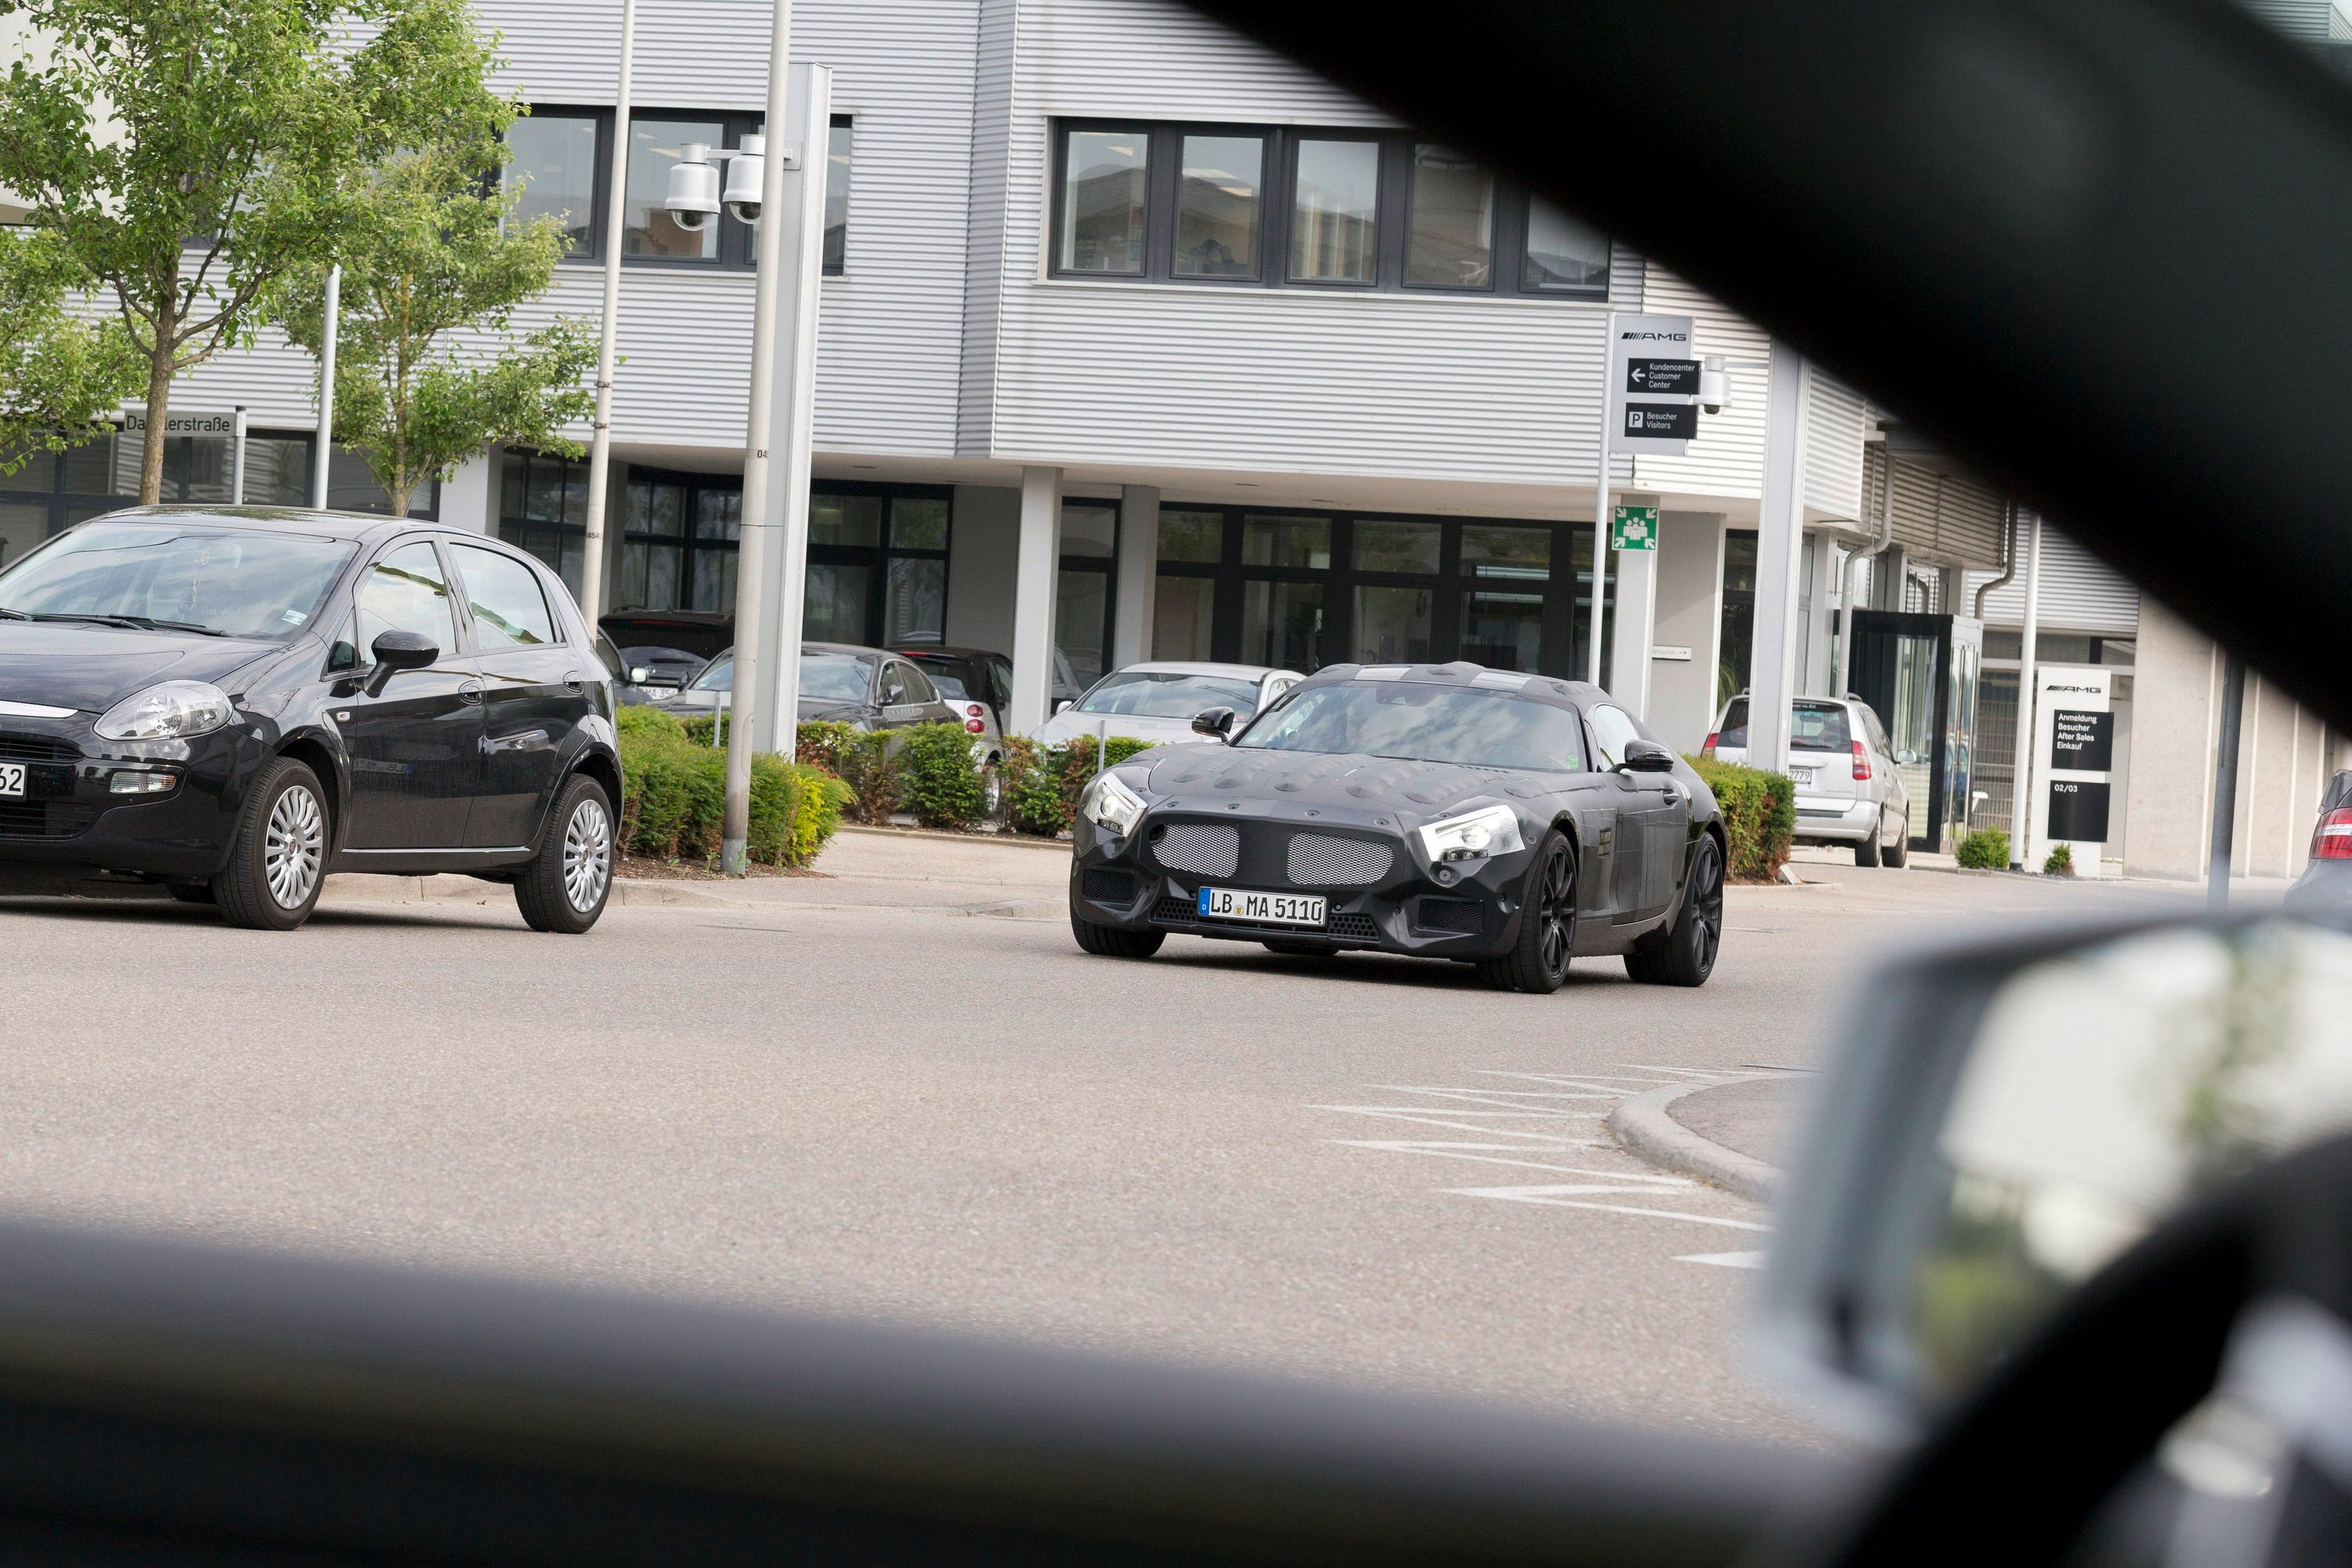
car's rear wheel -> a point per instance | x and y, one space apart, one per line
278 861
1110 942
565 886
1900 850
1684 955
1539 958
1865 849
1301 950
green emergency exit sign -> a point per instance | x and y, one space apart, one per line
1634 528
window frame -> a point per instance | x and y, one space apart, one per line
877 558
557 632
1277 210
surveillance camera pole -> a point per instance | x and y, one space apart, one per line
750 566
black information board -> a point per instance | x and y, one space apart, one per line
1662 375
2081 742
1663 421
2078 811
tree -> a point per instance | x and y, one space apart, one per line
60 376
189 155
435 261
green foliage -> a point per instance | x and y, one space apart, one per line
1760 816
938 776
674 806
435 260
1043 782
60 376
2061 862
861 759
243 123
1986 849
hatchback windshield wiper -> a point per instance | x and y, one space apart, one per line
143 623
8 615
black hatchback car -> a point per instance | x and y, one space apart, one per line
232 703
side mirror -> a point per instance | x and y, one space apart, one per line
395 651
1216 723
2002 1117
1647 757
640 673
1061 703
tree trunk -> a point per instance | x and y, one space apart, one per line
401 494
158 409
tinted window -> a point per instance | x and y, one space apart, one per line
1734 729
1819 727
1217 205
1147 694
1102 201
1611 730
949 684
646 226
253 585
1450 238
1424 723
509 610
554 165
404 591
718 675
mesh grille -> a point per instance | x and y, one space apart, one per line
37 819
1353 925
1174 911
1111 886
1458 915
1206 849
1320 862
36 749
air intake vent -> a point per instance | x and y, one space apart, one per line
1111 887
1205 849
1450 917
1320 862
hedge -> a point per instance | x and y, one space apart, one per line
1986 849
1042 784
675 798
1760 816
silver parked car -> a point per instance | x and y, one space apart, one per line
1158 702
1848 785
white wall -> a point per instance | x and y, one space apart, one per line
1690 615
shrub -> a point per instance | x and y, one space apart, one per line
939 778
1760 816
1986 849
1033 788
862 759
1078 768
2061 862
675 800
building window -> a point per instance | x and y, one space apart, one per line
647 229
1378 210
679 540
552 160
837 197
1738 628
878 564
1082 590
543 510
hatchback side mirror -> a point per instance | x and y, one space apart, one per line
1214 721
395 651
1647 757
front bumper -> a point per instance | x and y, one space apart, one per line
1143 882
70 818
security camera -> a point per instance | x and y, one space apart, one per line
1714 386
693 199
745 172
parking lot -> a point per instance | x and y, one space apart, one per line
898 1088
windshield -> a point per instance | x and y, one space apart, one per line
1424 723
1167 694
1813 726
718 675
243 582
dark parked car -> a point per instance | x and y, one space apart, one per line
860 685
1447 811
698 635
646 674
231 705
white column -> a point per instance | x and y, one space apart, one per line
1779 535
1039 561
1637 619
775 719
1139 573
2021 809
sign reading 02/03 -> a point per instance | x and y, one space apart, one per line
1652 384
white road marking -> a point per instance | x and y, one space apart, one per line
1560 1197
1726 1259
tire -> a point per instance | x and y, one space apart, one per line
1684 955
1299 949
277 861
1865 849
1109 942
1539 956
991 792
1899 852
192 893
565 886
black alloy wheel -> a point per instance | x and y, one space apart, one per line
1538 957
1684 954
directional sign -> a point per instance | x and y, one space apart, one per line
1652 384
1661 375
1634 528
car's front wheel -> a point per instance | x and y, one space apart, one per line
278 861
1538 959
566 884
1684 955
1109 942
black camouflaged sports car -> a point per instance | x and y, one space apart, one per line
1443 811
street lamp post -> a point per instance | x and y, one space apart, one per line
754 194
600 440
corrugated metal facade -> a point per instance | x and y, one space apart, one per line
2079 592
1940 516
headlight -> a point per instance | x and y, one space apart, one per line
1108 803
173 710
1472 836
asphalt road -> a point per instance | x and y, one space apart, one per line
859 1095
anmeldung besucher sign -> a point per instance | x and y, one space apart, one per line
2081 742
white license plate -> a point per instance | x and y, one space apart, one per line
1262 909
1800 775
12 778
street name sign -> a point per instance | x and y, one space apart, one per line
134 423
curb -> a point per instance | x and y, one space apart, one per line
1011 841
1641 1125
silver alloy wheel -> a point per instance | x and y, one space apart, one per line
587 854
294 847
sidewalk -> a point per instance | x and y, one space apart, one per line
1729 1134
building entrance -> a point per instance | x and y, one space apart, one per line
1919 673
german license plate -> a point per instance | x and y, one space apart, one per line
12 778
1262 909
1800 775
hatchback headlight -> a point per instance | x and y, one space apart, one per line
1110 804
1472 836
172 711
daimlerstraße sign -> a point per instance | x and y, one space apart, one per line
1652 384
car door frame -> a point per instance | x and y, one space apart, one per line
559 749
1642 872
